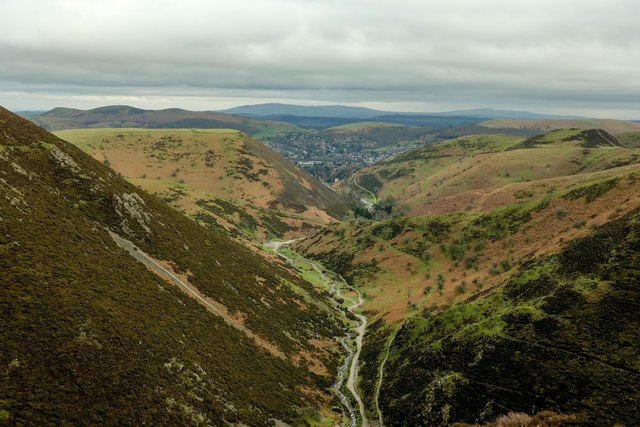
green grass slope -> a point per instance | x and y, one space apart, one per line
90 336
629 139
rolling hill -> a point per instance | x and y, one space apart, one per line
122 116
116 309
218 176
481 172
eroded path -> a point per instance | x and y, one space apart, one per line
381 376
213 306
353 356
373 196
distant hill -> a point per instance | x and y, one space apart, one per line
332 111
491 113
432 120
30 113
205 332
218 176
346 112
262 119
122 116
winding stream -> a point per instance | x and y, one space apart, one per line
337 386
353 371
352 359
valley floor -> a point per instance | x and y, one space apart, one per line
334 283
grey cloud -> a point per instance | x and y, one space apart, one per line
455 52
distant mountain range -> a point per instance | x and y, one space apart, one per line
336 111
263 118
346 112
124 116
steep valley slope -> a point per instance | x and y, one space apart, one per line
92 336
522 305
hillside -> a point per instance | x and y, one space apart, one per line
482 172
542 125
122 116
216 176
561 333
209 334
521 304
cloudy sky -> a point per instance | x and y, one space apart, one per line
556 56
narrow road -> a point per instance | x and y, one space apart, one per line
380 377
359 330
353 372
606 139
208 303
376 396
145 259
373 196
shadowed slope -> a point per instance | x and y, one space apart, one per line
91 336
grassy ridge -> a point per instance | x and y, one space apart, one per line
220 177
614 127
479 173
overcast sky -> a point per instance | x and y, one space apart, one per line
558 56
